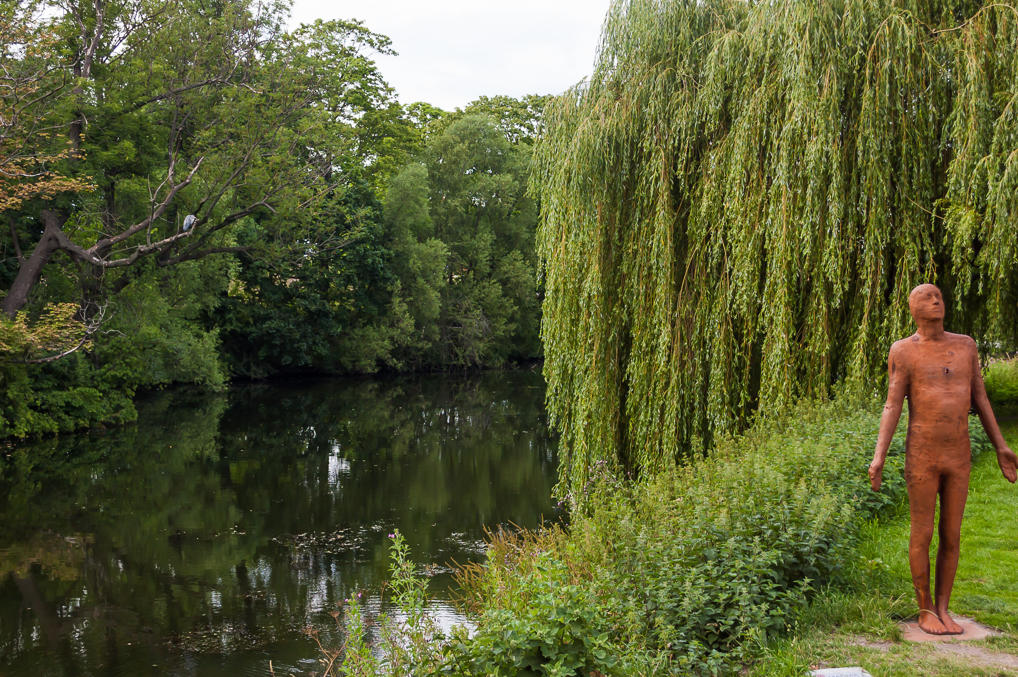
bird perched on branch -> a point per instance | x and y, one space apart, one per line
188 222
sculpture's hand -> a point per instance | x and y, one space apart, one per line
876 475
1008 463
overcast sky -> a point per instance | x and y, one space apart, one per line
453 51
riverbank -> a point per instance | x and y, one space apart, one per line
749 560
691 572
857 625
59 404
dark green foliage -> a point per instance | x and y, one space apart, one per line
59 397
462 233
152 337
687 572
329 310
282 144
737 203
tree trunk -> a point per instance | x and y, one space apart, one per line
14 238
31 268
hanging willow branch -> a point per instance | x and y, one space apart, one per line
737 203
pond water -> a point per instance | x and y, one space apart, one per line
204 539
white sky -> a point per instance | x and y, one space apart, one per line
453 51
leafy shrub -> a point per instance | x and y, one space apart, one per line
151 343
58 397
1001 380
559 631
147 343
688 571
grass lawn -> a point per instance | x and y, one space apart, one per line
859 626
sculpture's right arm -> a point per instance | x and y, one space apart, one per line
897 388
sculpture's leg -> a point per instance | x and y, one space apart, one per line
922 502
953 492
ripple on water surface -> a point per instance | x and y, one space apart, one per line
204 539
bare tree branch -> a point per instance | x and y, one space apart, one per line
94 324
54 358
108 242
194 255
93 44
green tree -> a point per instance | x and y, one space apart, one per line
188 108
393 135
420 258
737 203
519 119
169 110
331 309
29 151
462 229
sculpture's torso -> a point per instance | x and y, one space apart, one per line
939 390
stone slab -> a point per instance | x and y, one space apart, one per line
840 672
912 633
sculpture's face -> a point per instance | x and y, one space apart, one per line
926 303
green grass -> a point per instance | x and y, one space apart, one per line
859 626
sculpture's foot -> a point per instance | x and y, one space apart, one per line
930 623
949 623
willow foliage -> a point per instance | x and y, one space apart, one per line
737 203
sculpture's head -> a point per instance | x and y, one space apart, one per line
925 302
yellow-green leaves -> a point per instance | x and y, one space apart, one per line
56 330
737 203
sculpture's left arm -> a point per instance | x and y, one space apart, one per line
1006 458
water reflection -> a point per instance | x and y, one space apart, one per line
207 536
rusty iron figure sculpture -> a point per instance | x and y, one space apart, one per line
939 374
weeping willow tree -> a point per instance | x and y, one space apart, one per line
738 201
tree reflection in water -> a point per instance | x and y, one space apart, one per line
208 535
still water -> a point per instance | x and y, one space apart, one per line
204 539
